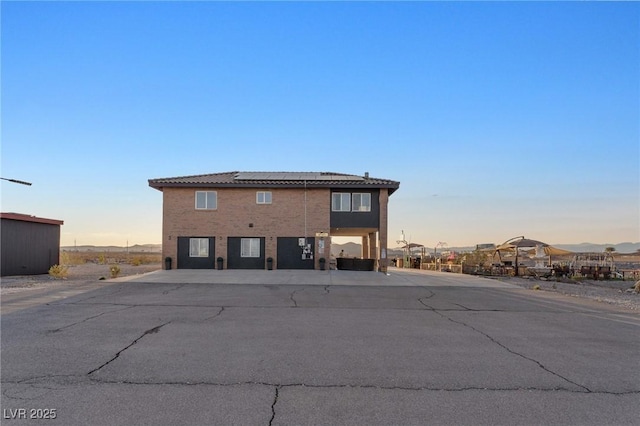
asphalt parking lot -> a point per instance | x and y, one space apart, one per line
316 347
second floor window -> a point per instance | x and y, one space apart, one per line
206 200
341 202
361 202
263 197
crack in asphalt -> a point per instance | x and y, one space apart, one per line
214 316
117 290
178 287
49 386
439 312
365 386
326 289
514 352
462 306
150 331
273 406
420 299
87 319
364 308
431 293
83 379
466 309
295 304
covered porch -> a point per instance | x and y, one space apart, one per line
373 253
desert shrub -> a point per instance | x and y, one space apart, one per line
72 258
65 258
476 257
115 271
59 271
145 259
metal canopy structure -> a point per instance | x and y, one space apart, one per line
514 245
520 242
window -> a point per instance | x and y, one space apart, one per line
361 202
356 202
198 247
263 197
250 247
206 200
340 202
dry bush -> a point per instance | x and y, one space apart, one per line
115 271
59 271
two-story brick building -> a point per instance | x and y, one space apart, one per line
258 220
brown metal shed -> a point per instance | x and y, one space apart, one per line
29 245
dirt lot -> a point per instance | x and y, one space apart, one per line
87 272
611 292
617 293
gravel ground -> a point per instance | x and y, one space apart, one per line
89 272
618 293
612 292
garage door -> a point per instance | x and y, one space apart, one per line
245 253
290 254
196 252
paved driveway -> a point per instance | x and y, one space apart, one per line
395 278
334 348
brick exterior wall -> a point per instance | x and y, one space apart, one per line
237 209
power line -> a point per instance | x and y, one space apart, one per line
21 182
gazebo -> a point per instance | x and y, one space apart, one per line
539 249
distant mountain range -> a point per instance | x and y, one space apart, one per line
599 248
354 249
137 248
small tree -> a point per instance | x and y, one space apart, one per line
609 249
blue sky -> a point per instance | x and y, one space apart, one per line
499 119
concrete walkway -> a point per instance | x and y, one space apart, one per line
396 277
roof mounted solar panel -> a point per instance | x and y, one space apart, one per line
295 176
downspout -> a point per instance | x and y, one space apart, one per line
305 213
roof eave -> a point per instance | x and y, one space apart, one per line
392 187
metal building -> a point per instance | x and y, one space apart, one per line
29 245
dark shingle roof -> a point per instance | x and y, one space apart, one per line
276 179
